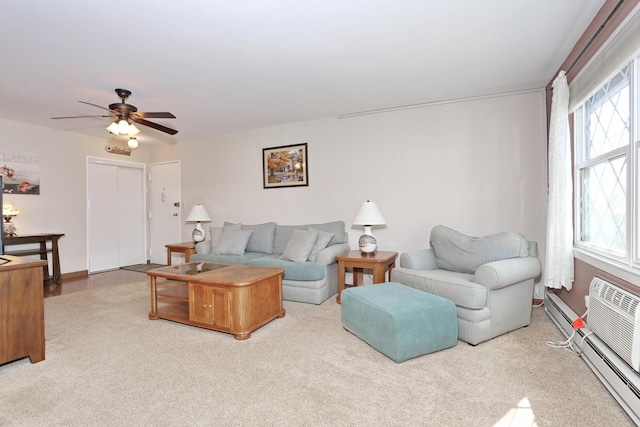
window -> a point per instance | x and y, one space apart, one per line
606 171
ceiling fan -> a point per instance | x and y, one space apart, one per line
122 111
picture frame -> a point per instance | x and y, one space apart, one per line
285 166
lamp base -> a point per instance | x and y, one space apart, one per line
367 244
9 229
198 233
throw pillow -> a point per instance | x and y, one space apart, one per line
216 234
262 238
321 242
300 245
233 241
458 252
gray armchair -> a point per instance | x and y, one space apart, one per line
491 298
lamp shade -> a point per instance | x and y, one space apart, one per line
9 210
368 214
113 128
198 213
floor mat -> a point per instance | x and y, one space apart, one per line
142 267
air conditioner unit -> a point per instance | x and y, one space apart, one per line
614 316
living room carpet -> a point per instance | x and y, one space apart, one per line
143 268
107 364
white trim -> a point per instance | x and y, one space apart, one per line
447 101
623 272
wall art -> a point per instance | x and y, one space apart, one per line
285 166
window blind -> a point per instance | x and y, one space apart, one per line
614 55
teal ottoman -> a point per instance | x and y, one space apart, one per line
398 321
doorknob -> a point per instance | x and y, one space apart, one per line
176 204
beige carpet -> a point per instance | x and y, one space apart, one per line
107 364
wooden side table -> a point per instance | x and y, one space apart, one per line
380 262
186 248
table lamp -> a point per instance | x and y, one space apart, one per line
198 214
8 212
368 214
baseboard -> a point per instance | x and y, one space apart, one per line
75 275
618 378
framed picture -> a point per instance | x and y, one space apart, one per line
285 166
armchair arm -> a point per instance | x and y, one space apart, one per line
328 255
506 272
203 247
423 259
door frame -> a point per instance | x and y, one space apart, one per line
118 163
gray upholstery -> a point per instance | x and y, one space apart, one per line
456 251
312 280
495 299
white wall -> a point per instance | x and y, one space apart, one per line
61 205
476 165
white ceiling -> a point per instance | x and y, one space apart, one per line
225 66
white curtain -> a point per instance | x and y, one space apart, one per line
558 268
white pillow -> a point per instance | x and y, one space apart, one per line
233 241
321 242
299 245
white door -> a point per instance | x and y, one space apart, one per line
115 214
165 218
131 216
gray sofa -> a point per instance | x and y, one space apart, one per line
307 253
490 279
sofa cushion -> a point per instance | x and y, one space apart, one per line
233 242
300 245
321 242
216 234
262 238
302 271
283 233
456 251
457 287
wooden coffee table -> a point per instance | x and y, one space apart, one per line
237 299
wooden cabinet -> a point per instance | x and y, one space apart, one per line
209 305
21 309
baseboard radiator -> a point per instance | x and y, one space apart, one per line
617 375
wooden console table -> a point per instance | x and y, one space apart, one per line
43 250
21 309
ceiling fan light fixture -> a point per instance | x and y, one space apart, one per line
133 131
132 143
123 126
113 128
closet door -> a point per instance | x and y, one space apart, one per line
131 221
115 215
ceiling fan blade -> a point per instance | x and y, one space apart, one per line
78 117
159 115
96 105
154 125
